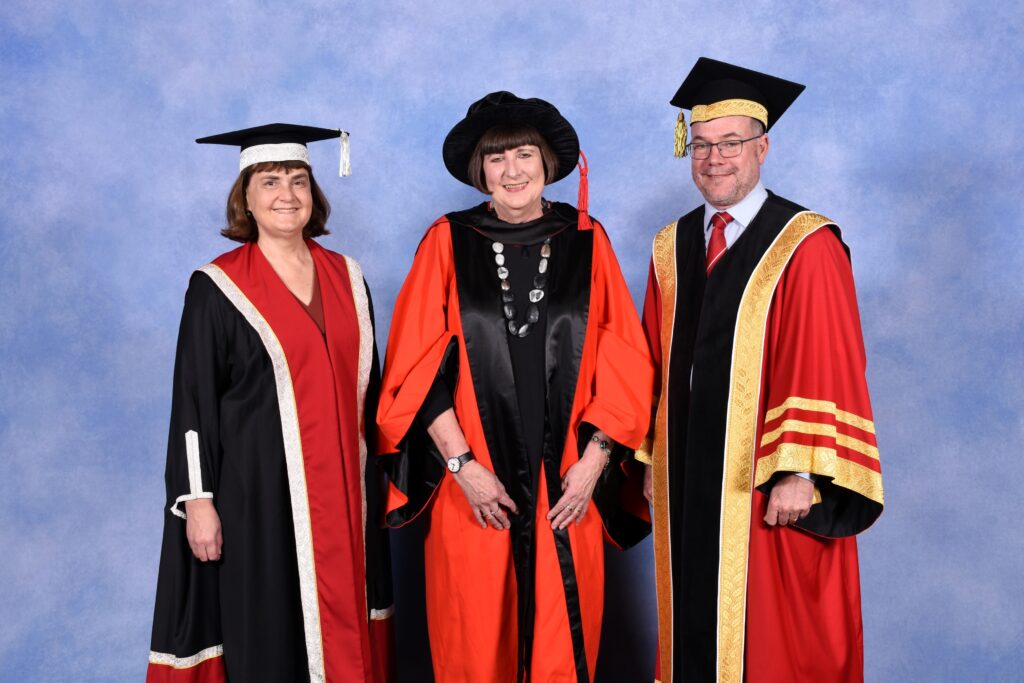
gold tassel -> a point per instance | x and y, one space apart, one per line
680 150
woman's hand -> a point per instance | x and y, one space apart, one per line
486 495
578 486
483 489
202 529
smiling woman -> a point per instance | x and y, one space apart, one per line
512 163
273 565
517 382
242 222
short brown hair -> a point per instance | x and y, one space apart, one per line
509 136
241 225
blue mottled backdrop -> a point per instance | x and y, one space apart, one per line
908 135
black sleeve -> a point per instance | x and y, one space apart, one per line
186 617
193 442
438 400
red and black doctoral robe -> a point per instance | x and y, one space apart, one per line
762 374
267 419
504 606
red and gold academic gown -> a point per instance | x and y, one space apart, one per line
761 374
503 605
267 419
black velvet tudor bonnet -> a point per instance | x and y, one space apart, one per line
503 107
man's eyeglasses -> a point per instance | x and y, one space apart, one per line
726 148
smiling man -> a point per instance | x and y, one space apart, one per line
762 461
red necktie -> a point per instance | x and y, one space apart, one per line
716 245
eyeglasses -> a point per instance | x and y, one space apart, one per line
726 148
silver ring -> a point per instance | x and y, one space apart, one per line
488 514
570 508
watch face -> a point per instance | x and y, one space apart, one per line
453 464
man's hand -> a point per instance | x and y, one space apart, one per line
202 529
649 483
790 500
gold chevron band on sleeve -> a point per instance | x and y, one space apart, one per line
817 406
791 457
819 429
643 453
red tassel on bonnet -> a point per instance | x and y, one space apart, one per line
583 201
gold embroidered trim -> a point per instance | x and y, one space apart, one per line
664 258
740 444
860 479
707 112
643 453
359 299
791 457
294 465
857 445
800 403
800 427
819 429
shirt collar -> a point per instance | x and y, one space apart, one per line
743 211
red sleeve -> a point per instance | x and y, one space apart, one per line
417 338
417 341
652 320
652 330
817 410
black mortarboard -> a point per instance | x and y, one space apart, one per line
504 107
278 142
714 89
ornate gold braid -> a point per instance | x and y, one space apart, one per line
740 446
707 112
664 257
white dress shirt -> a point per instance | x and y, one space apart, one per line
742 213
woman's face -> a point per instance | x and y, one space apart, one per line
515 179
280 201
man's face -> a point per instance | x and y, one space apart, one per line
724 182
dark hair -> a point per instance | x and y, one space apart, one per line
241 225
509 136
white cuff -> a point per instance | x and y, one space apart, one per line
181 499
195 476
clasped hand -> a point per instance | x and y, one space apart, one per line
486 496
789 501
578 487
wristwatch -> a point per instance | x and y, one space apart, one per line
455 463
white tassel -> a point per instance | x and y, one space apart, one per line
345 169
